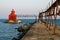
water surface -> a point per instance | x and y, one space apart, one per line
8 31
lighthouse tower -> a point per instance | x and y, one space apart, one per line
12 15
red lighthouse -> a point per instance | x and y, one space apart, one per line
12 15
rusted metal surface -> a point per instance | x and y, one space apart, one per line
53 10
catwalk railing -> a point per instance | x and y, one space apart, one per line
53 10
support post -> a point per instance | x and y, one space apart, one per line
55 26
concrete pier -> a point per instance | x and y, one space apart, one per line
40 32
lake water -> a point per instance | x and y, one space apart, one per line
57 22
8 31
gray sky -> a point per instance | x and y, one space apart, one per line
22 7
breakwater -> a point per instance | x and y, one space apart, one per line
39 31
24 29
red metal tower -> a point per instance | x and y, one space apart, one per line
12 15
